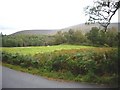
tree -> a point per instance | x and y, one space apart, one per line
98 37
59 38
79 37
112 39
102 38
93 35
102 11
71 38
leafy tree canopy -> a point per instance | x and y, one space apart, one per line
102 11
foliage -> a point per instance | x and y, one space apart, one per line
85 64
25 40
101 38
75 37
90 64
102 11
17 59
95 36
59 38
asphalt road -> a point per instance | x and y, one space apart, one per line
17 79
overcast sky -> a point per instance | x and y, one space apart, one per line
18 15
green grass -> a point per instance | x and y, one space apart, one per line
41 72
67 77
41 49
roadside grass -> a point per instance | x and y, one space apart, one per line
41 49
41 72
58 76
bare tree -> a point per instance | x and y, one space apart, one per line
102 11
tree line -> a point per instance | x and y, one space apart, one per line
95 37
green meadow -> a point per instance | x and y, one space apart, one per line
41 49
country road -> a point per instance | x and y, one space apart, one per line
17 79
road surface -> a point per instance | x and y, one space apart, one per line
17 79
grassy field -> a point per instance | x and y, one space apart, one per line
41 49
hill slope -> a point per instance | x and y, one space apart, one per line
36 32
85 28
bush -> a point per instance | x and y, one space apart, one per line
84 61
90 77
84 64
59 63
22 60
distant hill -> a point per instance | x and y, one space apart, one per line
86 28
36 32
82 27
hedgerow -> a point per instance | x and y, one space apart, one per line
84 64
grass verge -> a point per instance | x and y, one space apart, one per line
40 72
62 77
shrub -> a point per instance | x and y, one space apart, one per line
22 60
84 64
59 63
98 61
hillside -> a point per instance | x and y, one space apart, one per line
36 32
85 28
